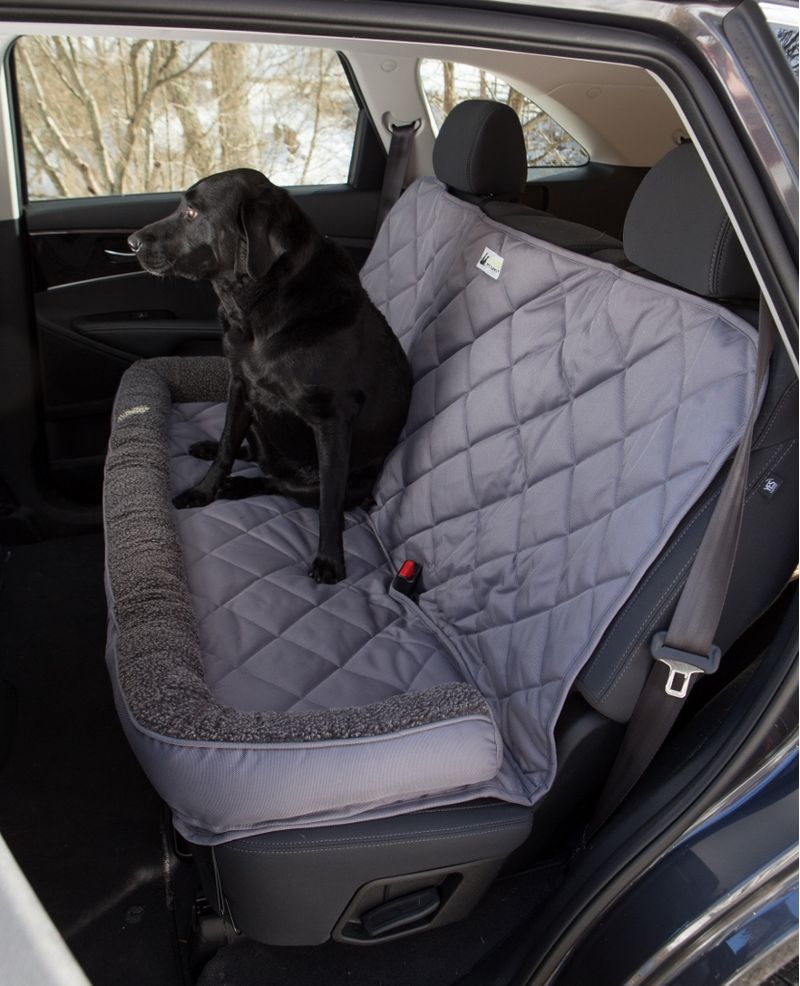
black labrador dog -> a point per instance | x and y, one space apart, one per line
319 382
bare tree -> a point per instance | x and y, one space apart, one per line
51 140
197 140
449 98
231 79
107 116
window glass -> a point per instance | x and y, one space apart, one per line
787 38
446 84
109 116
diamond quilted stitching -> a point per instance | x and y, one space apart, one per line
554 417
272 638
525 525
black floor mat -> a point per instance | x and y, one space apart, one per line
75 808
437 958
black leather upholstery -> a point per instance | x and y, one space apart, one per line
480 150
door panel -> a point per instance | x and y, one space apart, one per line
289 111
70 238
97 313
145 335
89 333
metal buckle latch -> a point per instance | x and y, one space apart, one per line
682 665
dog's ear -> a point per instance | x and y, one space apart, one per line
261 245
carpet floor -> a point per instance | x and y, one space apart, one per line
75 808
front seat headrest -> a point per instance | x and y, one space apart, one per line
677 229
480 150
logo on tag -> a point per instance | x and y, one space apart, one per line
491 263
770 486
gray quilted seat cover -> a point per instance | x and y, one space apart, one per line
274 651
565 416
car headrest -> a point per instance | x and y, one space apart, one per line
676 228
480 150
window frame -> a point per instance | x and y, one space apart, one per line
532 170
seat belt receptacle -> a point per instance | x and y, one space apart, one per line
407 580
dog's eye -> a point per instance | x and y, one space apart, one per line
189 213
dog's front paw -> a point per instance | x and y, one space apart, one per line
239 487
193 497
327 570
206 450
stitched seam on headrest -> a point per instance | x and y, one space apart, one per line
716 256
724 249
475 138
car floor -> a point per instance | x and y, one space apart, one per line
75 808
93 838
441 957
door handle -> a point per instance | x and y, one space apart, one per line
119 256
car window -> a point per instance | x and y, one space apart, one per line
445 84
783 21
787 38
110 116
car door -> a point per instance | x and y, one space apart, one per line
110 131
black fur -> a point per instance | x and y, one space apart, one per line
319 383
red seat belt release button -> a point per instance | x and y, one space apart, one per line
408 571
406 580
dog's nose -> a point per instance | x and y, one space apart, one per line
134 242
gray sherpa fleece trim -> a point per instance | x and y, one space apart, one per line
159 662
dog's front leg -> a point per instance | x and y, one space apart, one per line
333 452
237 421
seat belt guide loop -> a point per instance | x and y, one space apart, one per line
682 665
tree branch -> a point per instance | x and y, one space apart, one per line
34 142
321 77
71 63
155 80
71 155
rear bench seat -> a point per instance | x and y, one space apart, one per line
566 415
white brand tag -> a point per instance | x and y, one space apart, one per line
491 263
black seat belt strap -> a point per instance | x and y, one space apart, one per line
686 649
396 166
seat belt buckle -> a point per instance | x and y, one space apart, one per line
407 579
682 664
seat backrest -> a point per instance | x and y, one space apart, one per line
677 229
565 415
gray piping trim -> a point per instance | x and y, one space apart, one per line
369 841
716 256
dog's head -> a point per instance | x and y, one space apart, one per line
226 225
